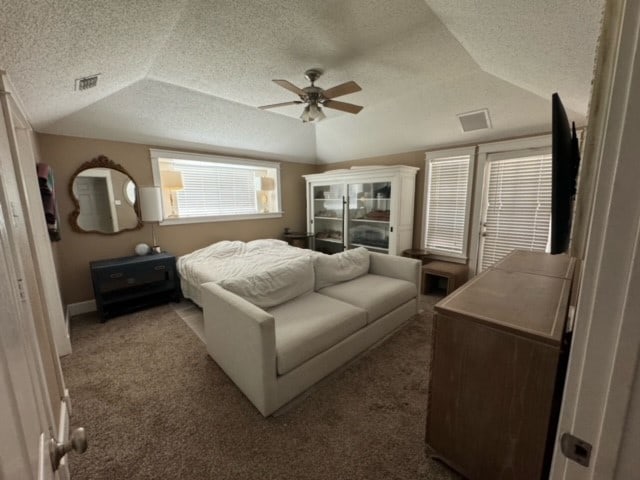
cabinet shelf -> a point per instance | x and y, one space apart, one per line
328 218
331 240
366 220
372 247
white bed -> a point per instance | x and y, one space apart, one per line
230 259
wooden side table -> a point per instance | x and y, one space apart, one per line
417 253
455 273
297 239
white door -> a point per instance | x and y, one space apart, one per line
30 378
516 205
93 196
28 421
45 275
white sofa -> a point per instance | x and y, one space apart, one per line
273 352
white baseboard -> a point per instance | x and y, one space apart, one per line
80 308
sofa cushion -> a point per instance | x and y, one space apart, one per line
376 294
341 267
309 325
276 286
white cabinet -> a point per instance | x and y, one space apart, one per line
368 207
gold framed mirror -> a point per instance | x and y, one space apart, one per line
105 198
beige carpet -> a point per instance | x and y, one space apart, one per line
156 406
191 314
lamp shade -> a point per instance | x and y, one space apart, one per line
305 117
315 112
150 204
171 180
267 184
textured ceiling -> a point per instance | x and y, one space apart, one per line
190 73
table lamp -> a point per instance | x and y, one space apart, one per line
171 183
151 210
267 185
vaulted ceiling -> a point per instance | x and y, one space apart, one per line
190 73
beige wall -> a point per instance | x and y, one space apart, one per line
76 250
411 159
37 157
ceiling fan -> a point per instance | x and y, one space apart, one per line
315 97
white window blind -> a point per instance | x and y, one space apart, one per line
212 189
447 205
517 207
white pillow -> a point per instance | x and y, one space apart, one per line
347 265
265 243
271 288
223 248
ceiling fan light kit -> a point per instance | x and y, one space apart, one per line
311 113
316 97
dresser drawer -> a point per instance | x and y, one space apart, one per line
125 277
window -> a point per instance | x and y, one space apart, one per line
203 188
447 198
516 206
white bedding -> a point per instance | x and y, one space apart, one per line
233 259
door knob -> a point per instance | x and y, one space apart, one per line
57 450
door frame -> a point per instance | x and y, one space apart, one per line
603 363
98 173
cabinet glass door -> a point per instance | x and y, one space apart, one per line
368 215
328 217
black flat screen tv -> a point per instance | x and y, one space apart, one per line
565 161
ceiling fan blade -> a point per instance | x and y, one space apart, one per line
274 105
342 89
345 107
291 87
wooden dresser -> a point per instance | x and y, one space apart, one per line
126 284
498 367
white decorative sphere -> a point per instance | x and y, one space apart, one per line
142 249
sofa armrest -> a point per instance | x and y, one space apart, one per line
393 266
241 339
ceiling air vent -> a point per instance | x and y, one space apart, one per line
86 82
478 120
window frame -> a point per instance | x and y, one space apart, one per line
157 154
442 155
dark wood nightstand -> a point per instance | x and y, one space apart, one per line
297 239
123 285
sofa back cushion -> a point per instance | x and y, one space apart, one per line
341 267
274 287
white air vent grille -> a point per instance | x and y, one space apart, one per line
478 120
86 82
